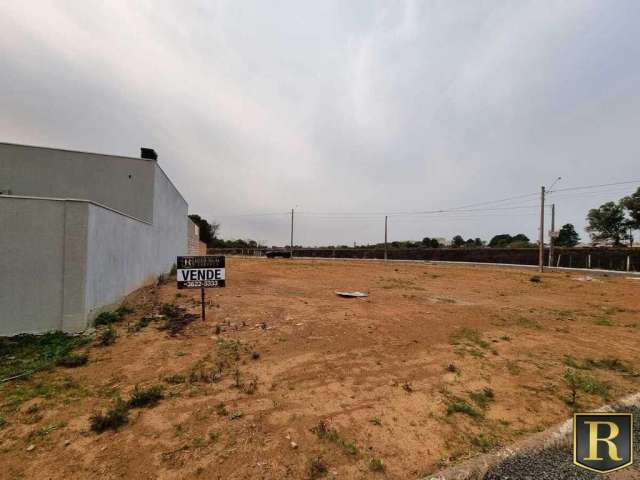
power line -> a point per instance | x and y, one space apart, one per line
585 187
462 208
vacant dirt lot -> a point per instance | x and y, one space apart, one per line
287 380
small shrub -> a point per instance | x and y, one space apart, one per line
123 311
255 355
221 410
609 363
484 442
106 318
145 397
483 397
114 418
376 421
108 336
376 465
513 368
535 279
317 468
604 321
467 335
251 387
452 368
460 405
325 432
72 360
3 422
236 415
577 382
140 324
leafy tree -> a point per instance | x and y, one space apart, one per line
208 231
521 237
457 241
505 240
426 241
478 242
632 204
435 243
501 241
567 236
607 223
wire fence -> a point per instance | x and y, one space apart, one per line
622 259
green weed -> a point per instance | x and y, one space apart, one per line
376 465
73 360
325 432
460 405
483 397
108 336
467 335
31 353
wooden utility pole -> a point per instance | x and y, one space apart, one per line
541 239
385 237
551 237
291 251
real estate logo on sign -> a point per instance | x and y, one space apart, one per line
200 272
603 442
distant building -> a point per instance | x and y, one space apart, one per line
79 232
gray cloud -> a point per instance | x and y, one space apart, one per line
337 106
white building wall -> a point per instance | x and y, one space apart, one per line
122 183
125 254
62 260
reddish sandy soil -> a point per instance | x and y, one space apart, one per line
376 370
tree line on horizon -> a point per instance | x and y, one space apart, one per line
611 223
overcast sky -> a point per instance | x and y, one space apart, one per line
338 106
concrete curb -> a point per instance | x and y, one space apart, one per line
559 435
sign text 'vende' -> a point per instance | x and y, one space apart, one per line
200 272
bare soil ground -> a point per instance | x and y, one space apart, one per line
287 380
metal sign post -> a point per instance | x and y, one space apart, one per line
200 272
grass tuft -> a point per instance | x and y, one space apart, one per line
325 432
460 405
376 465
145 397
467 335
113 419
483 397
317 468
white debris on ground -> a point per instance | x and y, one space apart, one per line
352 294
586 278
